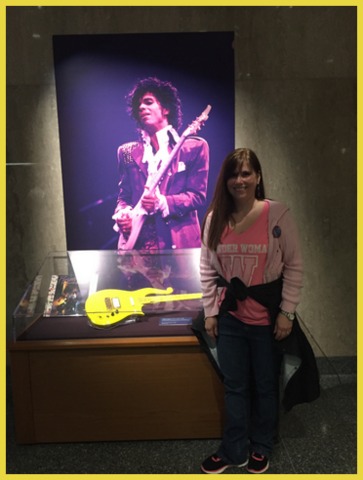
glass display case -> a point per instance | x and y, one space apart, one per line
98 329
97 294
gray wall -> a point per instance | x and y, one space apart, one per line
295 105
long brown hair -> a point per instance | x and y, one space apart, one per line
222 204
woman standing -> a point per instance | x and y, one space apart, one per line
251 274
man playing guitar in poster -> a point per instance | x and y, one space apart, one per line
164 176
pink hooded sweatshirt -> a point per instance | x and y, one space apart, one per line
283 258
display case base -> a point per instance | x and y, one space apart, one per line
114 389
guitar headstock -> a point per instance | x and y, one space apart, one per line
197 124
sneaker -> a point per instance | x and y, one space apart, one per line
214 464
257 463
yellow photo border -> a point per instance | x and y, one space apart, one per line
8 3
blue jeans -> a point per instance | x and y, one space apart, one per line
248 363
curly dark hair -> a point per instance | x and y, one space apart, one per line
164 91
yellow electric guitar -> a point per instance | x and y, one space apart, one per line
106 308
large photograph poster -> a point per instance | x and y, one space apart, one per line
94 74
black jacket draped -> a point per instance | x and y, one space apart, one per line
303 384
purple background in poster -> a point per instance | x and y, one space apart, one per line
93 75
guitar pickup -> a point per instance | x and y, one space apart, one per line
112 303
116 303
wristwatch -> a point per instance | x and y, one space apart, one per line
290 316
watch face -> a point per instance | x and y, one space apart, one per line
290 316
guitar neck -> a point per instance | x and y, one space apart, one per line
150 186
171 298
191 129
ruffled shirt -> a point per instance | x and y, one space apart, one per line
163 138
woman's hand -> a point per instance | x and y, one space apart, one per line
283 327
211 326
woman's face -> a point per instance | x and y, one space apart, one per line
152 115
242 184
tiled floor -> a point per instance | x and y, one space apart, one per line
316 438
